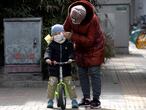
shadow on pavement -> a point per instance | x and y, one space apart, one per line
81 108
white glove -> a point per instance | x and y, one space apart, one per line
49 61
70 60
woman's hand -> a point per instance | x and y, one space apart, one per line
67 35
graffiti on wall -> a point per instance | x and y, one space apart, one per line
22 54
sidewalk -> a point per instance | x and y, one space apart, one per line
123 87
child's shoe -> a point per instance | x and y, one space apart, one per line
50 104
74 103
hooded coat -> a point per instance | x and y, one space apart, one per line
78 0
60 53
87 36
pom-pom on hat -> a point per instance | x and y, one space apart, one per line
56 29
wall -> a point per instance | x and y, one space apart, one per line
119 14
140 7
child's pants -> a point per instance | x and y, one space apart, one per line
52 84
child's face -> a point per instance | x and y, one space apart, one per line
59 37
57 33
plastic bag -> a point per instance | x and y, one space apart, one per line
134 35
141 41
48 39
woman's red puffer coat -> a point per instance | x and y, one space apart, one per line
87 36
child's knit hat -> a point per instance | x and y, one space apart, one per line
56 28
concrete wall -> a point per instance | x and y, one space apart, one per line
144 7
140 8
114 1
119 15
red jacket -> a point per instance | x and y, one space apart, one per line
87 36
78 0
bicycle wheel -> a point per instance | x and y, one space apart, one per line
62 97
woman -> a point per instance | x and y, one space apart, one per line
82 28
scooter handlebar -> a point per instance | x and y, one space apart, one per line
63 63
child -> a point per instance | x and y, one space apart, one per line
59 50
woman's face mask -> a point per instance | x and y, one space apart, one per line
59 38
77 14
76 19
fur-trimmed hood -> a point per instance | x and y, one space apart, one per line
89 10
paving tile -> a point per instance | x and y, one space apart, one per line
123 87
